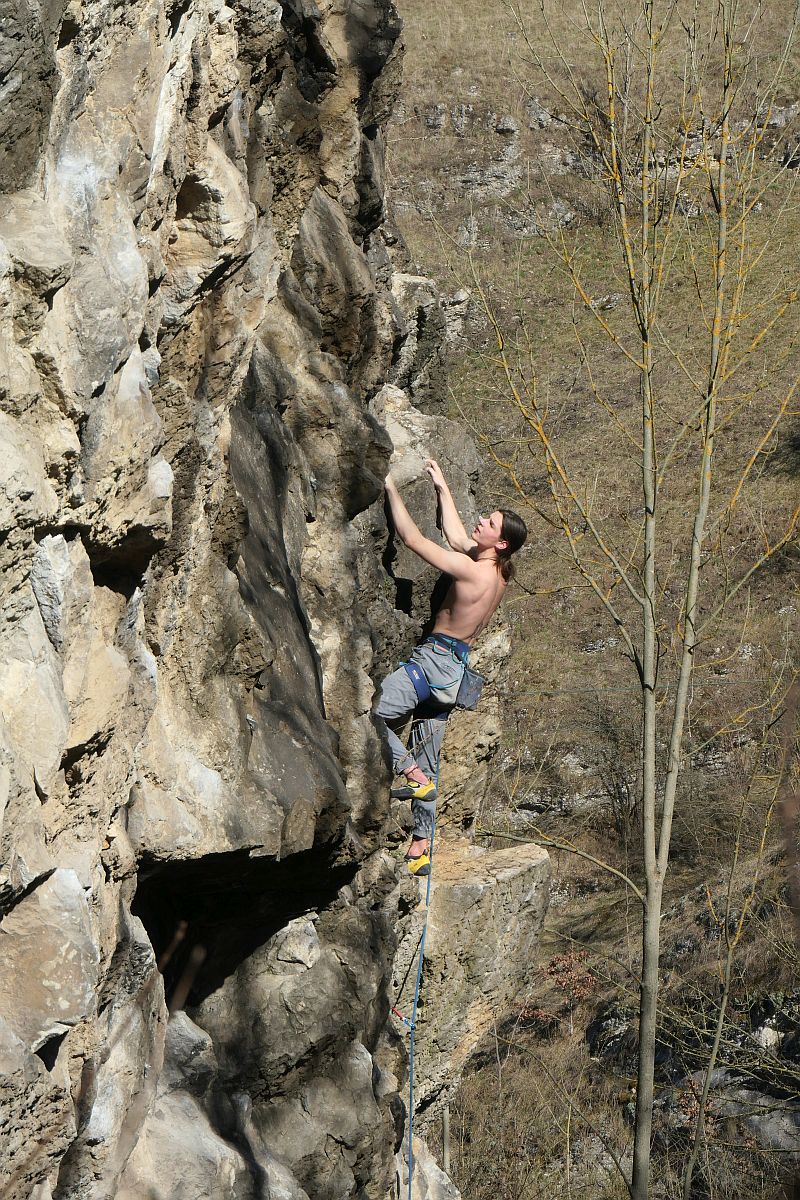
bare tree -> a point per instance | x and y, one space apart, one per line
678 147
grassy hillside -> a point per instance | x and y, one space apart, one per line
496 190
479 59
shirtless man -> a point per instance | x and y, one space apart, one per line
480 568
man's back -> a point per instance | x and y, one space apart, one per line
469 603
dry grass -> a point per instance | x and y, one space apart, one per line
539 1116
570 694
515 1122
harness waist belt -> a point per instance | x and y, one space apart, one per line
460 649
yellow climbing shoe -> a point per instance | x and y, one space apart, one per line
415 791
420 866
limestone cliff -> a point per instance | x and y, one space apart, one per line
199 315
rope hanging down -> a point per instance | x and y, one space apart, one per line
411 1025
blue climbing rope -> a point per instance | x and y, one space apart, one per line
412 1024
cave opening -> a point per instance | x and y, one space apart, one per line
207 915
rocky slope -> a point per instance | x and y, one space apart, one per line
201 307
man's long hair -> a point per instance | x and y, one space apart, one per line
514 531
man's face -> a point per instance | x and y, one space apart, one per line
489 531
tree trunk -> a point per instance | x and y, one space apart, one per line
648 1007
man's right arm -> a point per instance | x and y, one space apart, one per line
460 566
452 525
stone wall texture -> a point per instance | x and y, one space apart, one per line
205 318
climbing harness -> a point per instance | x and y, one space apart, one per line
469 688
458 649
419 680
465 692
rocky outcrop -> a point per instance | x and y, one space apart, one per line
199 318
483 927
428 1180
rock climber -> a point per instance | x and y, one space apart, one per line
479 565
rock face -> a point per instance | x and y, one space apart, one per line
202 338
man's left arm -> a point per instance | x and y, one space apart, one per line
452 525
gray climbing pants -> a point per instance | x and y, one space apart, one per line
397 701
